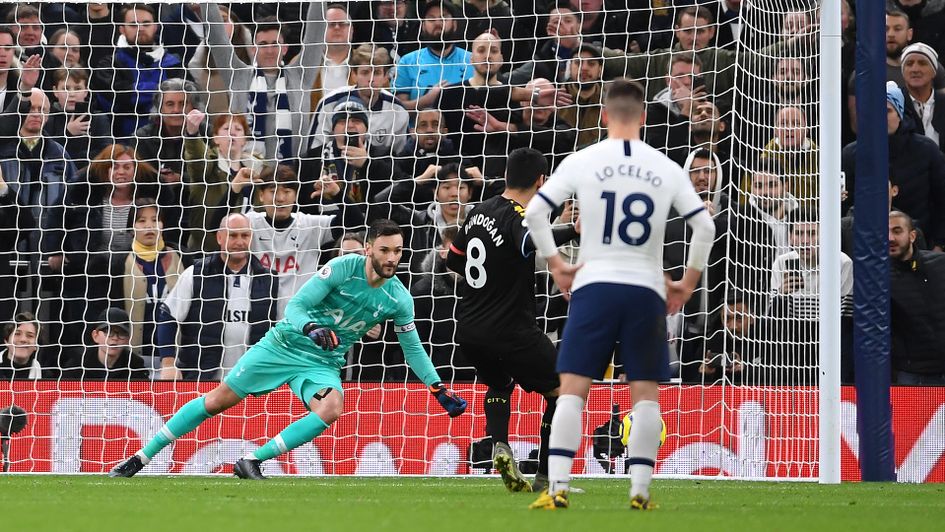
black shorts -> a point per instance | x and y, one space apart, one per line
531 367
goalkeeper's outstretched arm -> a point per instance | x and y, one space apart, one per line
420 363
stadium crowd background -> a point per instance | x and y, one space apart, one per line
131 131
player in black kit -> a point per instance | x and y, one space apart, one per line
496 326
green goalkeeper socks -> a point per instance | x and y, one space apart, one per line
185 420
299 432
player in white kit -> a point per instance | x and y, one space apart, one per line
619 295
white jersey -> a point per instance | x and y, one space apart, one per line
292 253
625 190
235 320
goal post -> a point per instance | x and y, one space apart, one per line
830 190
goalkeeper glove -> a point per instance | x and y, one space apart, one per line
322 336
452 403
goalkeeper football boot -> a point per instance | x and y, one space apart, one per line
642 503
128 468
546 501
248 469
540 483
505 464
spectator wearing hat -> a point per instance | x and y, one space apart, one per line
919 167
387 133
421 73
109 357
927 19
345 159
899 33
925 103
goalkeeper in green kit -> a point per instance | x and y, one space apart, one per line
306 350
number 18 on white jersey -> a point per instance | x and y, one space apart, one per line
625 190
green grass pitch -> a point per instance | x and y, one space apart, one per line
174 504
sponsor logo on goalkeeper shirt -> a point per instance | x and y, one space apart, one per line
346 323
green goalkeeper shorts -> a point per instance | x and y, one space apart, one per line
267 366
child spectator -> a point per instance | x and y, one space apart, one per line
149 272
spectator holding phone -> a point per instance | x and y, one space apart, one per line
795 273
74 122
734 349
345 158
586 87
795 303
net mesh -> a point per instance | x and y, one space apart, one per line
131 132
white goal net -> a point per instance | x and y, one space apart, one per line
130 132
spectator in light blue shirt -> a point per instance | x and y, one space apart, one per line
420 73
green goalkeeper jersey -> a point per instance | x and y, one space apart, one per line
340 298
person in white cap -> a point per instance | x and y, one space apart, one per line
899 34
919 62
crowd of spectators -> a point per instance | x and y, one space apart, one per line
170 174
